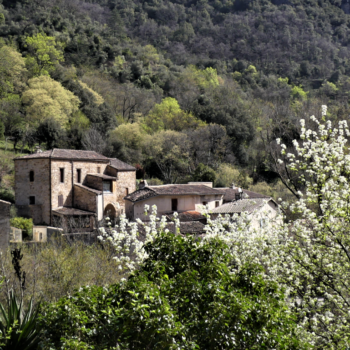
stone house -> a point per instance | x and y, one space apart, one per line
4 224
261 211
71 188
173 198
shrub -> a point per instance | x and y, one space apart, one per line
185 295
26 225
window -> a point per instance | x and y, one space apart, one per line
31 176
107 186
263 222
98 170
62 174
174 204
126 191
217 203
204 203
31 200
60 200
78 176
41 236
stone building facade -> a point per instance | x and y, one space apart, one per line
71 186
4 224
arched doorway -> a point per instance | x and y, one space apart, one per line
110 212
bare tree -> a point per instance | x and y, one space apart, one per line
94 141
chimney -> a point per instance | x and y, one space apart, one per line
233 185
143 184
239 194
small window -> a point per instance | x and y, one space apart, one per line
62 174
41 236
31 176
204 203
107 186
78 176
98 170
60 200
217 203
263 222
174 204
126 191
31 200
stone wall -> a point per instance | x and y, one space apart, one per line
39 188
70 177
61 188
4 224
94 182
84 199
126 181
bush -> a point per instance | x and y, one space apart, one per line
26 225
185 295
57 268
7 195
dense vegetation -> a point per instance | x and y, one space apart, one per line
171 86
183 296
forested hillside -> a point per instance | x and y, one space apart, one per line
184 90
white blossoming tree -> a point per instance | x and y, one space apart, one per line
310 256
315 261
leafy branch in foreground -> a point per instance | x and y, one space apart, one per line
18 327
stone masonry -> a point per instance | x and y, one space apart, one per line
4 224
84 180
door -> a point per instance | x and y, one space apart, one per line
60 200
174 204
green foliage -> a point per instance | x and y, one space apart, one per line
50 133
7 194
132 135
184 296
44 54
204 79
23 224
204 173
46 98
2 130
18 327
98 98
297 92
12 71
226 175
169 116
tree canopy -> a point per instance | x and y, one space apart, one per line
46 98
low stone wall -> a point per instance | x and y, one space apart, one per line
88 238
4 224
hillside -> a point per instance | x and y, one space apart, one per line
185 90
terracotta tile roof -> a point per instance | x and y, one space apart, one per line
186 216
70 154
71 211
230 193
121 166
103 176
153 191
242 205
88 188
